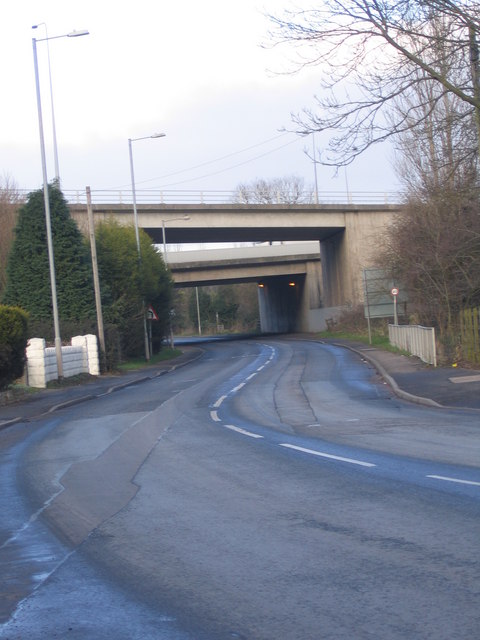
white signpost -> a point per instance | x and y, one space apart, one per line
394 291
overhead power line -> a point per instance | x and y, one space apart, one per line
219 159
234 166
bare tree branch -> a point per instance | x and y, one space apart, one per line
370 54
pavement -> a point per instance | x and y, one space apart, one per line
415 381
408 377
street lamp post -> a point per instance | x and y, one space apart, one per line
51 260
54 129
137 235
164 222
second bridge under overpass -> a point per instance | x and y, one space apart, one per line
288 277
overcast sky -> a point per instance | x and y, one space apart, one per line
193 70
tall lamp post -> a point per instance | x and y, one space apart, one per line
51 260
54 129
137 236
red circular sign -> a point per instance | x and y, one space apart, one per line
394 291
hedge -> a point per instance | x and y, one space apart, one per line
13 342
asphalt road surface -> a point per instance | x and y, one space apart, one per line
271 490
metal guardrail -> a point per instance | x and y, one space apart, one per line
417 340
165 196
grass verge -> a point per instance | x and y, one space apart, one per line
378 341
140 363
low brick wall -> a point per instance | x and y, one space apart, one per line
80 357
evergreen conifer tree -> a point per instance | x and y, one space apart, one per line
127 284
28 277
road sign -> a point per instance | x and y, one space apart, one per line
151 314
394 291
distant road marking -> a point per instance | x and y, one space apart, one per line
260 368
238 387
219 401
242 431
475 484
214 416
252 375
329 455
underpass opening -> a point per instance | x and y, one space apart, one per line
281 301
272 304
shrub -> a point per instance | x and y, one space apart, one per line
13 341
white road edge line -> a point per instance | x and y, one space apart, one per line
219 401
214 416
475 484
242 431
252 375
328 455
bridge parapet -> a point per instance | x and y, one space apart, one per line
192 196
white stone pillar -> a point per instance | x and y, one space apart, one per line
36 374
93 358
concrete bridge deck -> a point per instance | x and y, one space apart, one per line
236 222
241 264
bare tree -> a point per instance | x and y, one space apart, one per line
10 201
434 250
372 53
434 247
438 151
287 190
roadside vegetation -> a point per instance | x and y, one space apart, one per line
409 72
351 325
126 282
220 309
139 363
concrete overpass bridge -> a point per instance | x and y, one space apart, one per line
347 234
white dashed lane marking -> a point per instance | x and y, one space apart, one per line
244 432
459 480
219 401
322 454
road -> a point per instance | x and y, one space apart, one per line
272 489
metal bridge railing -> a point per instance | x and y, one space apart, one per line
165 196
